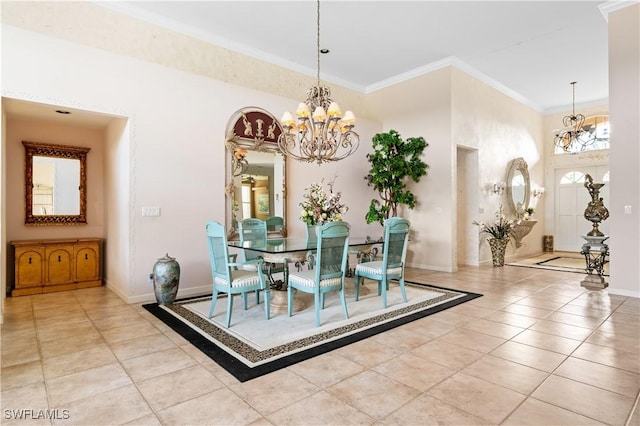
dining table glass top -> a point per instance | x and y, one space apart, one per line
292 245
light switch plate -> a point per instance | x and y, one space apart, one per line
151 211
627 209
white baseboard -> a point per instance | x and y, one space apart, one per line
433 267
151 297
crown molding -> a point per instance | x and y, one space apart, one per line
615 5
568 107
462 66
178 27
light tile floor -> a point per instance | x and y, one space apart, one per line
537 349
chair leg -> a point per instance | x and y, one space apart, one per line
356 283
229 309
214 299
289 299
402 290
322 300
257 297
267 302
244 300
383 287
316 300
343 299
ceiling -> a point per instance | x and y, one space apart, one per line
531 49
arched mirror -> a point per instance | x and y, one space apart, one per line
55 184
518 186
256 171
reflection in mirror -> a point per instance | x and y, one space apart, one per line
518 187
255 182
259 190
55 184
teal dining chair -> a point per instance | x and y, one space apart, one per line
394 252
275 224
329 270
230 277
252 229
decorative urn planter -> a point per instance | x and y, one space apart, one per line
166 277
498 247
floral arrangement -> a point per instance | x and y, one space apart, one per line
500 229
319 206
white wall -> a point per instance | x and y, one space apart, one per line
170 153
18 130
422 107
624 103
501 129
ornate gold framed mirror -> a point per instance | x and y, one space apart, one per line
518 186
55 184
255 171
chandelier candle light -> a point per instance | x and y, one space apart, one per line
573 137
324 135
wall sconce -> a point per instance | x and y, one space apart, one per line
498 188
538 192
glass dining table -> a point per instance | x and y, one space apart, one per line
298 251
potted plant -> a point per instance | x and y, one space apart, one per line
528 213
499 233
393 161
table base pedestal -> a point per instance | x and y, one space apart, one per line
279 302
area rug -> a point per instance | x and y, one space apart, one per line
253 346
558 261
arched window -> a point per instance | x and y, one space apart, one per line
595 136
605 178
571 178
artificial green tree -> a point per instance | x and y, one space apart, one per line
393 161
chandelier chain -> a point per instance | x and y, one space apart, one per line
318 39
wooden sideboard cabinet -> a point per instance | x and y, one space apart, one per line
44 266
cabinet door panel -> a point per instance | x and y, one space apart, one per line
29 268
59 264
87 263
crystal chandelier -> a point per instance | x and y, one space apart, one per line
574 136
324 135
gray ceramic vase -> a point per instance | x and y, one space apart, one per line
166 278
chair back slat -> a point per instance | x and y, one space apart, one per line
333 248
396 237
252 229
218 250
275 224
